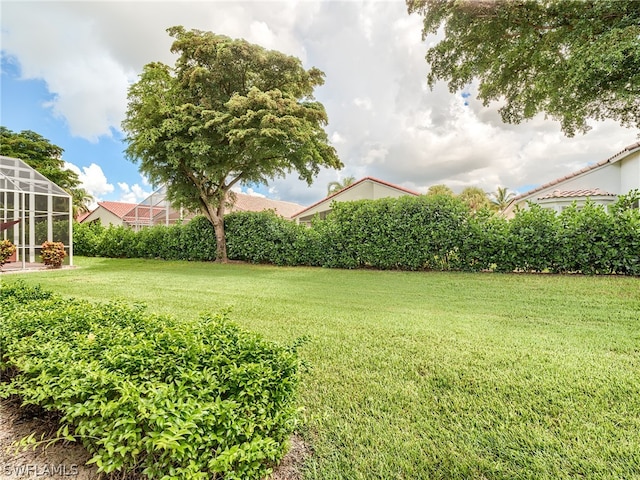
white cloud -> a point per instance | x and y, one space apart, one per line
364 103
92 179
337 138
247 191
132 193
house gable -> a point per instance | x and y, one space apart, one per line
601 182
109 213
368 188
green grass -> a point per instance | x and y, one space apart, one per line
426 375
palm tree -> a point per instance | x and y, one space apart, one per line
334 187
440 189
502 197
475 198
81 200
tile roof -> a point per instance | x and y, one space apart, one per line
243 203
119 209
613 159
376 180
253 203
142 214
593 192
82 216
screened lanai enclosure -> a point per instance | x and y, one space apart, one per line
33 210
155 210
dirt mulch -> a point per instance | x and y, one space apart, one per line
66 461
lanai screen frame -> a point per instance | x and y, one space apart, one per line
41 207
155 210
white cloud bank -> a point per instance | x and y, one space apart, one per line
384 121
133 193
92 179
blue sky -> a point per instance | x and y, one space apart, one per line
26 106
66 67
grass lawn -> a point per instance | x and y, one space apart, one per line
426 375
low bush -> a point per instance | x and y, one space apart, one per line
53 254
6 250
162 397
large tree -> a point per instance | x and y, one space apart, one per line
45 157
574 60
228 112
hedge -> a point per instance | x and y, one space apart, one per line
407 233
147 394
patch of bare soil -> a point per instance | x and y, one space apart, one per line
66 461
62 460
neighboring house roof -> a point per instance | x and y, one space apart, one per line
613 159
253 203
353 185
594 192
133 213
119 209
82 216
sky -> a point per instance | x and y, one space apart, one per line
66 68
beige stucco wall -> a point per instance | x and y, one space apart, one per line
619 178
105 216
630 173
367 190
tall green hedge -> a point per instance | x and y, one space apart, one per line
407 233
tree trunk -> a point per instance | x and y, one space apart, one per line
221 241
216 217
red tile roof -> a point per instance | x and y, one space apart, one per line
595 192
140 215
82 216
382 182
613 159
243 203
119 209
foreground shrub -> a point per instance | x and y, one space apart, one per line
148 394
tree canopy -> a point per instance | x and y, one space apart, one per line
45 157
440 189
229 112
573 60
475 198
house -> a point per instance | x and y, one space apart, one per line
368 188
253 203
155 210
109 213
601 183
